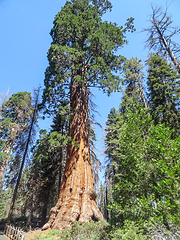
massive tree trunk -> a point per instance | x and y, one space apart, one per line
77 198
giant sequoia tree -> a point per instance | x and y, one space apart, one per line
82 55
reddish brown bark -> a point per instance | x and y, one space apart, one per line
77 198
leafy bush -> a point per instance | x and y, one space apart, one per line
147 176
157 230
128 232
90 230
152 229
86 231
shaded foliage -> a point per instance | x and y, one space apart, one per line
164 92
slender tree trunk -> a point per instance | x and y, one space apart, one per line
22 164
107 203
45 205
173 58
141 92
77 199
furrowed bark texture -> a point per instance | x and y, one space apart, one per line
77 199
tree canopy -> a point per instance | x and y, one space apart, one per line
83 47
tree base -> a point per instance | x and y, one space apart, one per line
62 216
77 199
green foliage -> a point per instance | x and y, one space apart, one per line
133 79
83 49
46 154
105 198
129 231
16 112
102 5
4 202
146 171
156 230
22 194
47 166
90 230
6 195
14 122
164 92
113 126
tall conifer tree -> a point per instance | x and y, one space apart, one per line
133 79
164 92
82 55
16 113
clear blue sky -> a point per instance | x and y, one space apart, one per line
25 40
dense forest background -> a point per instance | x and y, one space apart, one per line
139 192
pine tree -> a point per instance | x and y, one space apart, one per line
15 115
24 148
164 92
47 167
95 161
81 56
133 78
146 182
112 132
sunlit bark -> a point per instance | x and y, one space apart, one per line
77 199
